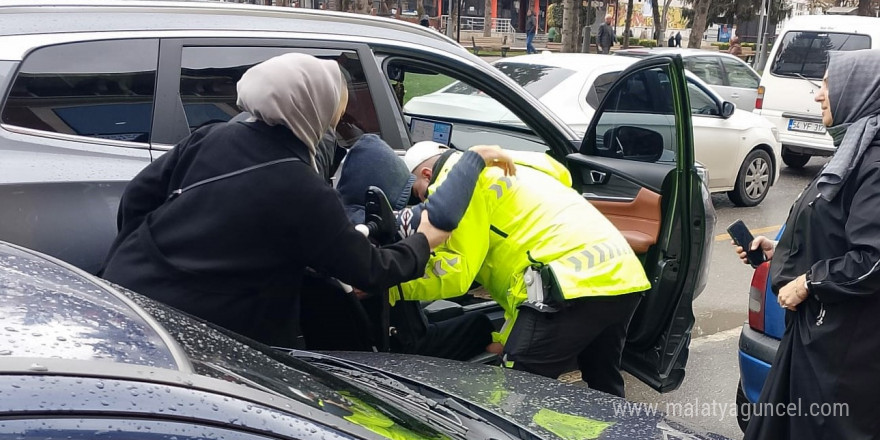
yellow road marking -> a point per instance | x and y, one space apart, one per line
758 231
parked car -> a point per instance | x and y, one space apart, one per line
758 340
739 149
793 75
729 76
85 359
94 90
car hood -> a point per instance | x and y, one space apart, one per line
461 106
548 408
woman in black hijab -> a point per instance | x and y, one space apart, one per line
825 270
224 225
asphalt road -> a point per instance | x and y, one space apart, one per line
709 389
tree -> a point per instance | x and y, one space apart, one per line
701 14
658 26
626 27
660 20
730 12
568 16
487 18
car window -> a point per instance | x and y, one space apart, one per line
638 120
806 53
477 117
101 89
600 87
701 102
706 68
209 75
739 74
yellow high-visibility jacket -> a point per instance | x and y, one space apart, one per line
537 212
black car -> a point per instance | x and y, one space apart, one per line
83 359
93 90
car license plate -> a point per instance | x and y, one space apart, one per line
809 127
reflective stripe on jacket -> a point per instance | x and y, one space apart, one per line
537 212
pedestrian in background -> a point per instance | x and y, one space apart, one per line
605 35
425 21
531 28
678 39
735 47
825 271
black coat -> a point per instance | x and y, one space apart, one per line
830 353
234 251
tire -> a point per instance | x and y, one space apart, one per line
794 160
753 180
742 418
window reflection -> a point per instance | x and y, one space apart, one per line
101 89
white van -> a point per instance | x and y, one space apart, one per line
793 75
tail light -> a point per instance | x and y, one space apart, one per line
757 296
759 101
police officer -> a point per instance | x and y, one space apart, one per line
567 279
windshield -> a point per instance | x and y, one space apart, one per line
806 53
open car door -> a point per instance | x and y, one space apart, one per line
636 165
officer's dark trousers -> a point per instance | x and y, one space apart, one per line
587 332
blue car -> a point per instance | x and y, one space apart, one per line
758 341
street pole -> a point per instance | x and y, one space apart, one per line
760 46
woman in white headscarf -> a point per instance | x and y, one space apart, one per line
825 271
224 225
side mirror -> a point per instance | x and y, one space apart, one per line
632 143
727 109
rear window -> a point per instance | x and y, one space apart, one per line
100 89
536 79
806 53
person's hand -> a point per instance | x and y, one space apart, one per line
793 293
435 236
766 244
494 156
495 348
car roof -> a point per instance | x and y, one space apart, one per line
581 62
683 51
585 64
838 23
20 17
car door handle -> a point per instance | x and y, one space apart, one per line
597 177
734 95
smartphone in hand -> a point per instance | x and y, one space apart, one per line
743 238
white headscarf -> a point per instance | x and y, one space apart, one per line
296 90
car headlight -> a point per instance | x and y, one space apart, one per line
775 134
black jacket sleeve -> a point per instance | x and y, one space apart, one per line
857 272
448 203
332 246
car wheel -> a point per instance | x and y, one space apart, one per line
743 412
794 160
753 180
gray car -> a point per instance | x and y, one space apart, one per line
728 75
94 90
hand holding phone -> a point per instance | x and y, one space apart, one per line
743 238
